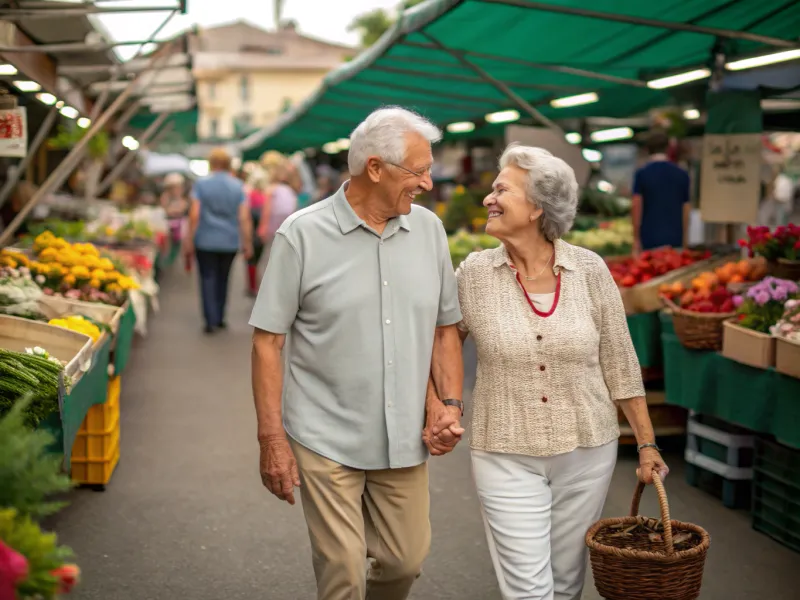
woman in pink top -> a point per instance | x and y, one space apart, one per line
256 200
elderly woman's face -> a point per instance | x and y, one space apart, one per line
510 212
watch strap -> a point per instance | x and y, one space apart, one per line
640 447
452 402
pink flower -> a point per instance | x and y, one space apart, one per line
13 570
737 301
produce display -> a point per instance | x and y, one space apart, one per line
18 292
78 323
101 232
609 238
78 271
788 326
595 202
763 305
35 373
630 271
781 243
462 244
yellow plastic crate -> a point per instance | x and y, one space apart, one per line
97 471
98 444
101 417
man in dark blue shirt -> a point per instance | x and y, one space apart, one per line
661 206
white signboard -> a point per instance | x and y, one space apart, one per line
730 178
554 143
13 132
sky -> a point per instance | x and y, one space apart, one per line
325 19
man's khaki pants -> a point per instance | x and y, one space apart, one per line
353 514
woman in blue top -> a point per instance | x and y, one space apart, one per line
219 226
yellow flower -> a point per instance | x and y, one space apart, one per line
68 259
48 255
70 280
111 276
7 261
55 270
98 274
80 272
60 243
114 287
106 264
95 283
89 261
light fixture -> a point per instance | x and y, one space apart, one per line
331 148
84 122
608 135
760 61
46 98
27 86
503 116
691 114
605 186
130 142
574 100
573 137
343 143
7 69
592 155
199 167
679 79
60 104
69 112
461 127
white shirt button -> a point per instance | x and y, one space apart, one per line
390 363
388 321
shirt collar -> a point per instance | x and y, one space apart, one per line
348 219
564 257
659 157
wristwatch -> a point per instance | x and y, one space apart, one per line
452 402
640 447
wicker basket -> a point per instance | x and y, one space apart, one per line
783 268
652 570
697 331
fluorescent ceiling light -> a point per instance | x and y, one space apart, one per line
84 123
69 112
8 69
760 61
608 135
691 114
461 127
573 137
574 100
130 142
60 104
27 86
331 148
592 155
503 116
343 143
46 98
679 79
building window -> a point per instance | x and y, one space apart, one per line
213 128
272 50
244 88
212 91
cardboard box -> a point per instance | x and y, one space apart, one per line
787 358
747 346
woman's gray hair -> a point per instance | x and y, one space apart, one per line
551 186
382 134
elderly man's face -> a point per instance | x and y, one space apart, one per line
509 210
404 181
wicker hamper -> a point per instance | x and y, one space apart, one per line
696 330
645 569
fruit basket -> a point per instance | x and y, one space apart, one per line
700 329
639 558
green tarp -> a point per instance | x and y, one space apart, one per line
540 54
183 128
759 399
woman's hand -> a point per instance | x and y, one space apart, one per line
650 460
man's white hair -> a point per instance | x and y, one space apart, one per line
383 134
551 186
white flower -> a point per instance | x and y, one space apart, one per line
40 279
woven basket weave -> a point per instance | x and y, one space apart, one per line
650 570
695 330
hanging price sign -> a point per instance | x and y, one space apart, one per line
13 132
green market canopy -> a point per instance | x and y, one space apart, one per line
440 56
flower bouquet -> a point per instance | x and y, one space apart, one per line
780 247
787 334
747 337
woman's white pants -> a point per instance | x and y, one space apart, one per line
536 511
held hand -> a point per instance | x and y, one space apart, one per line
442 428
278 467
650 460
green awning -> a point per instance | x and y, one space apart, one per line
182 128
541 50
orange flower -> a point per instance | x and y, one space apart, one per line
68 577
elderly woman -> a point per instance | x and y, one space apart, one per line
176 205
555 359
281 198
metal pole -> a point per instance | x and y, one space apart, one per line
631 20
23 13
126 160
511 94
68 47
41 135
75 155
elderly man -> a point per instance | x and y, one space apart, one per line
362 285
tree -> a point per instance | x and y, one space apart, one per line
373 24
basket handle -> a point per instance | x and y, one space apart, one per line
663 504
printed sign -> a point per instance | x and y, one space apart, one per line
730 178
13 132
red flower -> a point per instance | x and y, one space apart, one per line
13 570
797 245
68 576
743 244
741 317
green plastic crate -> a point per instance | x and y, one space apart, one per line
778 461
776 509
122 350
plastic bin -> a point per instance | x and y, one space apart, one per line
721 441
124 339
776 493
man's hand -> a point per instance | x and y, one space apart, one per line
278 467
442 428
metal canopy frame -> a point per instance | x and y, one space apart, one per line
48 12
67 47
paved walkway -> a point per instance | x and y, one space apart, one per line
185 516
